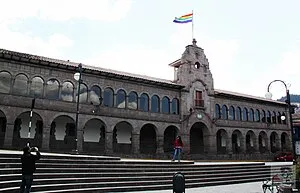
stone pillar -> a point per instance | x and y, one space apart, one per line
135 143
46 138
80 137
160 145
211 144
8 135
186 143
229 145
109 143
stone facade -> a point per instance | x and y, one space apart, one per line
135 116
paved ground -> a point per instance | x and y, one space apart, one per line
254 187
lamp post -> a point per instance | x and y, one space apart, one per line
288 102
77 77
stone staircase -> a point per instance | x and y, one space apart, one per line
83 173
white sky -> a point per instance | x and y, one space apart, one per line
248 43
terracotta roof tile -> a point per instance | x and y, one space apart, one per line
74 64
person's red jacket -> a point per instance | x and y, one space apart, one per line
177 144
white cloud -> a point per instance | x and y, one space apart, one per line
25 42
137 60
57 10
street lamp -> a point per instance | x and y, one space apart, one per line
77 77
288 102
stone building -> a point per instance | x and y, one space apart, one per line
132 115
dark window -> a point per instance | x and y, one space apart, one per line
269 117
251 115
238 113
37 87
231 113
20 85
108 97
175 106
165 105
198 99
155 104
217 111
132 100
245 114
144 103
67 91
274 117
5 82
52 89
263 116
257 115
224 112
279 117
95 95
120 100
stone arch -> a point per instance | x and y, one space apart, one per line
62 133
5 81
94 136
285 141
250 142
37 87
170 134
148 142
20 84
197 138
67 91
21 134
222 138
3 122
122 137
274 142
237 142
262 142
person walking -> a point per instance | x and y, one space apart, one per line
177 148
28 167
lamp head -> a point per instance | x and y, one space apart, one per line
268 95
77 76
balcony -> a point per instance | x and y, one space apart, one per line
199 103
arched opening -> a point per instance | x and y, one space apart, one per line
108 97
2 128
37 87
132 100
175 106
94 136
274 142
148 143
197 142
5 82
121 99
284 139
263 142
144 102
250 142
20 85
67 91
22 135
62 134
155 101
52 89
165 105
170 134
122 135
222 137
236 141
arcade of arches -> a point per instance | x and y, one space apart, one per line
146 140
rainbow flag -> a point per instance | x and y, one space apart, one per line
184 19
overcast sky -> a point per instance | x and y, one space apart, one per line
248 43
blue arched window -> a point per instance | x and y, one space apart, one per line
154 104
165 105
144 103
108 97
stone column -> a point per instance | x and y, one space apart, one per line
109 143
229 145
80 136
211 144
160 145
46 138
135 143
8 135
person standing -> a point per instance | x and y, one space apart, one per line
28 167
177 148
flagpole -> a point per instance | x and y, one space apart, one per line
192 24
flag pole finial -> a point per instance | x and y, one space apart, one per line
194 42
